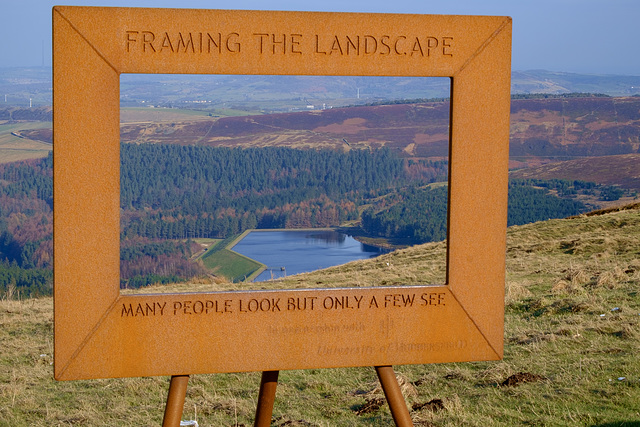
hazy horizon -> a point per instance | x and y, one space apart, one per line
637 74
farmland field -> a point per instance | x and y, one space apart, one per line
13 148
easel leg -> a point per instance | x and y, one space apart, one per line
175 401
392 392
266 398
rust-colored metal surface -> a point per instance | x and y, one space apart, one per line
175 401
266 398
100 333
395 399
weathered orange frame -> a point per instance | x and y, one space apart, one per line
95 337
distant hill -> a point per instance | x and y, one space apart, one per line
20 85
542 81
622 170
15 114
567 128
418 129
542 130
283 93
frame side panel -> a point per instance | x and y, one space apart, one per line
478 206
86 159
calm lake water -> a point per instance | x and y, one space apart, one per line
293 252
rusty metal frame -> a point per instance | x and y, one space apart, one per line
100 333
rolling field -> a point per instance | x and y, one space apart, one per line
572 325
13 148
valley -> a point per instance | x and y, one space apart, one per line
590 143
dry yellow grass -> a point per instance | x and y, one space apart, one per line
572 323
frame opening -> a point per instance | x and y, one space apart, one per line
281 209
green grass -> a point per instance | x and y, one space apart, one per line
562 277
220 260
232 265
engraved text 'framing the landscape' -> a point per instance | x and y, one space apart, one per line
204 42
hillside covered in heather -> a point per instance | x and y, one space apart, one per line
542 129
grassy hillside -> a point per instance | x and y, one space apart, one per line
227 263
571 340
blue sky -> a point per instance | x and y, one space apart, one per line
581 36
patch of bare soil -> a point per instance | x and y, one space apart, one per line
434 405
521 378
370 405
349 126
281 422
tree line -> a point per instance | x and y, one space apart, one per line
419 215
171 191
182 192
185 192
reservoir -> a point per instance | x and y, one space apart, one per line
297 251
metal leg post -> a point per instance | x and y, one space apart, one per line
175 401
392 392
266 398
